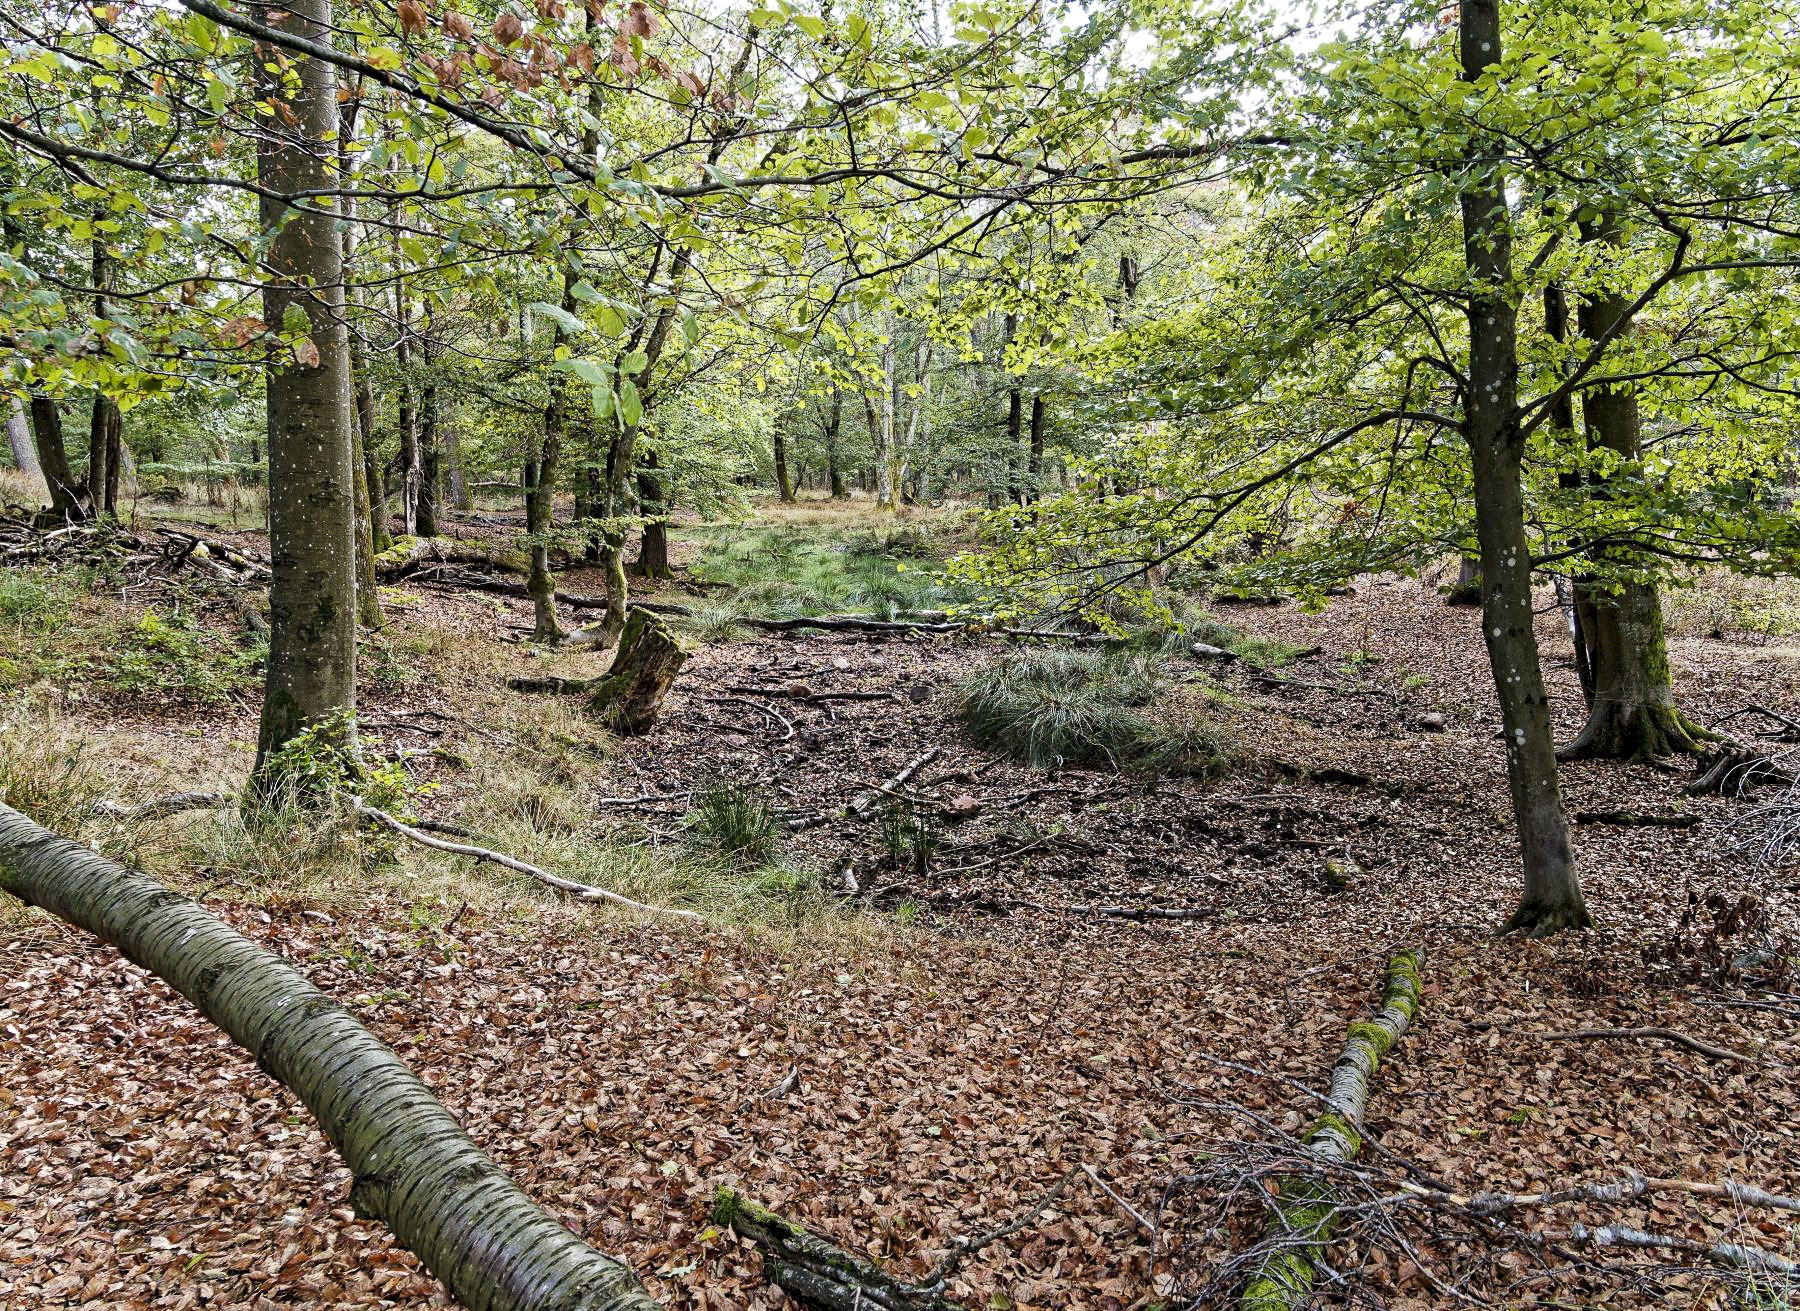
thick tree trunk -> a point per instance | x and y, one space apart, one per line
18 436
1466 590
1551 899
415 1169
629 696
53 458
1632 714
312 539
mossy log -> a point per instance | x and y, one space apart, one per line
817 1273
415 1169
629 696
1305 1212
410 553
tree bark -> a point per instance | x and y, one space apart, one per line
784 485
18 436
1632 714
629 696
1034 479
430 466
311 676
415 1168
104 421
1551 899
407 418
653 544
53 458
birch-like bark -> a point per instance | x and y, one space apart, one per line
415 1168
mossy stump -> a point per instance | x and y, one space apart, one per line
629 696
1305 1211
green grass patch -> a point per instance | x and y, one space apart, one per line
734 819
798 569
1079 707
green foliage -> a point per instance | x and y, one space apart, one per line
787 570
909 836
734 819
175 655
329 759
1077 707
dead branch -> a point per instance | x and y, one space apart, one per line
964 1248
173 804
863 805
771 711
582 891
1632 819
1648 1033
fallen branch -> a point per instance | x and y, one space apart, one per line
582 891
1646 1034
863 805
1304 1213
413 1166
174 804
1632 819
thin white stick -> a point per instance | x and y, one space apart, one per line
584 891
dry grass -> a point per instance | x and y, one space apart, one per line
1723 605
20 488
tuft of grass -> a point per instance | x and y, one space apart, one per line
734 819
1079 707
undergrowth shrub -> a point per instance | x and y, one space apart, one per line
172 654
1079 707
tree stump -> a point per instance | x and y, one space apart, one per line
628 697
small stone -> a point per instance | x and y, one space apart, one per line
1430 722
840 664
960 807
1340 874
1207 651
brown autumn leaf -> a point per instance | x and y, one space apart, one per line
412 17
507 29
457 26
306 353
638 20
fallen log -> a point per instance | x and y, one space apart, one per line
162 807
815 1272
863 804
415 1168
1304 1213
410 553
1733 769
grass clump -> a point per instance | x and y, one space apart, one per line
734 819
1079 707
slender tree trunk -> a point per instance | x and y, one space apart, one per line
380 537
18 436
312 540
407 419
887 495
540 489
653 504
1632 715
1015 421
1551 898
833 472
430 423
104 420
1034 479
457 466
362 431
414 1167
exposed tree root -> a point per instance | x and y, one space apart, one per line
1637 733
1734 769
581 891
1304 1214
1534 919
174 804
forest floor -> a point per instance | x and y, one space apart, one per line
929 1066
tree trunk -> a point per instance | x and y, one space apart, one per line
1632 715
368 598
18 436
408 421
53 458
415 1169
311 676
784 485
1034 481
1466 590
833 472
630 695
103 442
1551 899
540 492
1015 420
430 470
653 545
